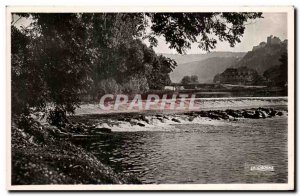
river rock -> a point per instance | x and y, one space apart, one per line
121 119
127 119
144 118
158 115
257 114
279 113
266 110
234 113
203 114
191 114
175 120
214 116
133 121
272 113
161 119
166 117
231 118
264 114
248 114
224 115
191 118
141 124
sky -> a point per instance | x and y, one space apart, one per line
256 31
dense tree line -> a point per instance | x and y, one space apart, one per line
193 79
278 75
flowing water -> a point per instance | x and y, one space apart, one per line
200 153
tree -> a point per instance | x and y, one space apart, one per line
122 56
278 75
56 62
283 69
182 29
186 80
194 79
159 75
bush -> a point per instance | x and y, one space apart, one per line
57 117
136 84
109 86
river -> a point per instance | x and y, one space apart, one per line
222 152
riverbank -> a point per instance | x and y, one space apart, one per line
41 156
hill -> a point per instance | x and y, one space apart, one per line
181 59
264 56
205 66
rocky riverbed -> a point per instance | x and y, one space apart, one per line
92 125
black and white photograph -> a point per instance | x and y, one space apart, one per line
150 98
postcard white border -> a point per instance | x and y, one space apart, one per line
61 9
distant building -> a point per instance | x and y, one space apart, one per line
261 45
272 40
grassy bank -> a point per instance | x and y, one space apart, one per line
39 156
